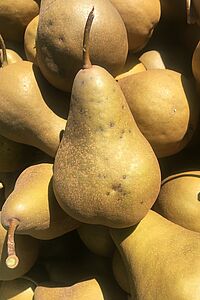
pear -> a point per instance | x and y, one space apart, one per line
33 204
105 171
165 107
119 272
18 289
132 66
30 111
15 263
30 40
140 18
178 200
15 16
158 256
97 239
196 65
152 60
60 33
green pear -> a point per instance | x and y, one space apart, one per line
60 35
18 289
140 18
97 239
31 111
15 16
162 259
178 200
16 262
30 40
165 107
34 205
105 171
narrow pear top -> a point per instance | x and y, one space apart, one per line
86 41
4 59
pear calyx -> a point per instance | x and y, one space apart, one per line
86 41
12 260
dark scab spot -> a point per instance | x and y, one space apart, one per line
122 133
124 194
124 176
99 175
107 193
61 38
141 202
50 23
112 124
117 188
82 111
82 82
101 128
129 131
122 106
198 196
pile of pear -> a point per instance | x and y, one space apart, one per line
99 150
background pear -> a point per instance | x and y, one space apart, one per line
15 16
105 171
158 256
140 18
18 289
178 200
30 40
31 112
165 107
60 36
97 239
33 204
119 271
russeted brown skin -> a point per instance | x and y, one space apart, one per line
33 203
165 107
60 36
15 16
26 250
105 171
162 259
140 18
178 200
30 40
18 289
31 108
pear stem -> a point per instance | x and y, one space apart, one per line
12 260
4 59
86 41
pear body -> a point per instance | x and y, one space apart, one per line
18 289
196 65
105 171
140 18
33 203
165 107
178 200
26 250
15 16
158 256
30 40
119 271
29 110
60 36
97 239
152 60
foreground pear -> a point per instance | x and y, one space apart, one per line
32 203
105 171
162 259
178 200
16 262
30 111
18 289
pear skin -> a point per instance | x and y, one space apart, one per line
30 40
158 256
18 289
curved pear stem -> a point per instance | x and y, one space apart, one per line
12 260
4 60
86 41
